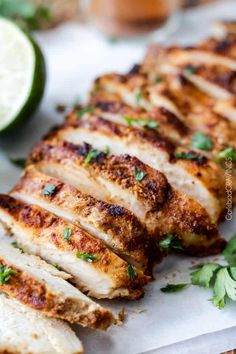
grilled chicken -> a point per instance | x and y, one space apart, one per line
117 179
200 178
95 269
114 225
224 46
42 287
26 331
212 73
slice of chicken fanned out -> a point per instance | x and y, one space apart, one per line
114 225
127 181
215 78
95 269
26 331
42 287
113 107
198 177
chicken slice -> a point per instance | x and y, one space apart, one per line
42 287
26 331
114 225
95 269
224 46
200 178
114 179
216 78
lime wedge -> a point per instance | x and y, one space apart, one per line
22 76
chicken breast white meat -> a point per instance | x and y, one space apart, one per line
197 176
26 331
126 181
95 269
118 228
41 286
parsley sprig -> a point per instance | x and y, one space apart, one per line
5 274
146 123
220 278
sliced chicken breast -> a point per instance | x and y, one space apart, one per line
26 331
115 226
225 46
130 183
200 178
95 269
42 287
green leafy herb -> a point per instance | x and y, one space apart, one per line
201 141
19 162
28 15
67 233
88 257
92 155
138 96
6 273
189 156
174 288
49 189
131 272
204 275
190 70
148 123
158 79
230 252
83 111
225 287
139 175
229 152
170 242
15 244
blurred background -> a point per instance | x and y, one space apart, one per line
116 18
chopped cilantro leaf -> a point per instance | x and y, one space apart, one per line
87 257
224 287
83 111
229 152
148 123
67 233
138 96
92 155
131 272
189 156
204 275
6 273
174 288
139 175
19 162
201 141
170 242
190 70
49 189
15 244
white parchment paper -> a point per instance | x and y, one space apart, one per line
75 56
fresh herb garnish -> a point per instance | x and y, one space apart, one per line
230 252
201 141
189 156
131 272
158 79
138 96
67 233
49 189
25 13
139 175
174 288
87 257
220 278
15 244
83 111
148 123
229 153
170 242
19 162
6 273
92 155
190 70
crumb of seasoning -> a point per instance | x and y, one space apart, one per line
139 309
121 316
61 108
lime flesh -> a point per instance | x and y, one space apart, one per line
22 76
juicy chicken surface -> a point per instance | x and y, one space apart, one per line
44 288
118 228
95 269
26 331
161 208
200 178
